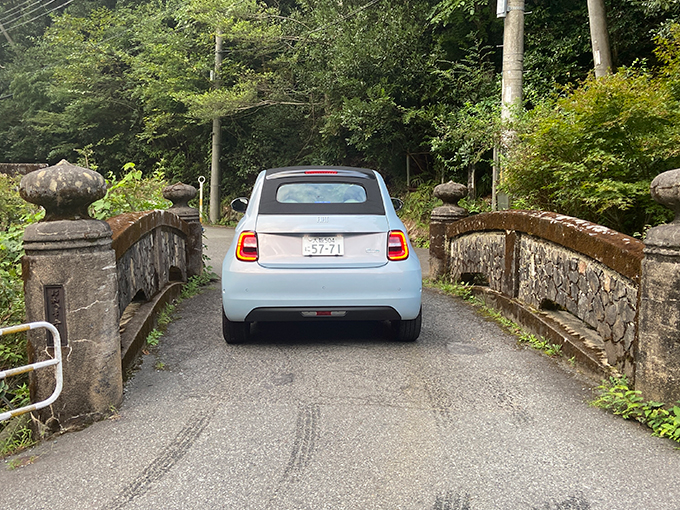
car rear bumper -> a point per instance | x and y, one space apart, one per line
328 313
252 293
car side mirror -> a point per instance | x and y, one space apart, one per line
397 203
239 204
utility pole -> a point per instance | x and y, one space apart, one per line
513 67
9 39
599 38
216 140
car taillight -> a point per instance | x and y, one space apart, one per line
397 246
246 249
321 172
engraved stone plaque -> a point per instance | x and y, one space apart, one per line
55 312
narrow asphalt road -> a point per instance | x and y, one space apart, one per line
341 417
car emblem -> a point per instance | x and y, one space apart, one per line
322 219
372 250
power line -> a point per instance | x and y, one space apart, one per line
40 16
24 14
9 11
153 18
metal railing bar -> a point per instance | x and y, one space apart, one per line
35 366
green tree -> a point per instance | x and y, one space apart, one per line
363 65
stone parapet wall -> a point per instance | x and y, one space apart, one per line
20 168
151 252
478 253
619 252
603 299
544 259
82 274
611 300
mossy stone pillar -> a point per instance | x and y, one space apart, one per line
657 371
180 194
449 193
70 280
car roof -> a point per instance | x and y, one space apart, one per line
321 170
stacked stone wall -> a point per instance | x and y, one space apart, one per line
610 299
603 299
479 253
137 272
151 251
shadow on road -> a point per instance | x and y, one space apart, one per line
322 333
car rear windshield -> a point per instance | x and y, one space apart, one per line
320 193
301 190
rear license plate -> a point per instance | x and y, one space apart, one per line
322 246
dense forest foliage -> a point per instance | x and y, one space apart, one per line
356 82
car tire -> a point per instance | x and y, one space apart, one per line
408 331
234 332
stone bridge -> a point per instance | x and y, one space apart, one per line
609 299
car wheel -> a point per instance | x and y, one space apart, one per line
408 331
234 332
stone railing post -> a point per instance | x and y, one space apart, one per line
180 194
70 280
657 371
449 193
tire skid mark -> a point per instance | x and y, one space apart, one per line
304 445
451 500
426 390
305 442
508 401
576 502
519 413
162 464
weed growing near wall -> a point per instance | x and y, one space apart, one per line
464 291
15 214
614 395
191 288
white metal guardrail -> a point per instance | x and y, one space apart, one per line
35 366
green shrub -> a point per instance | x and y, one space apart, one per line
15 213
131 193
13 208
416 212
593 152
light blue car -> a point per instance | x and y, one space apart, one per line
320 244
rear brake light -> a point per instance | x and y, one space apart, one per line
246 249
324 172
397 246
